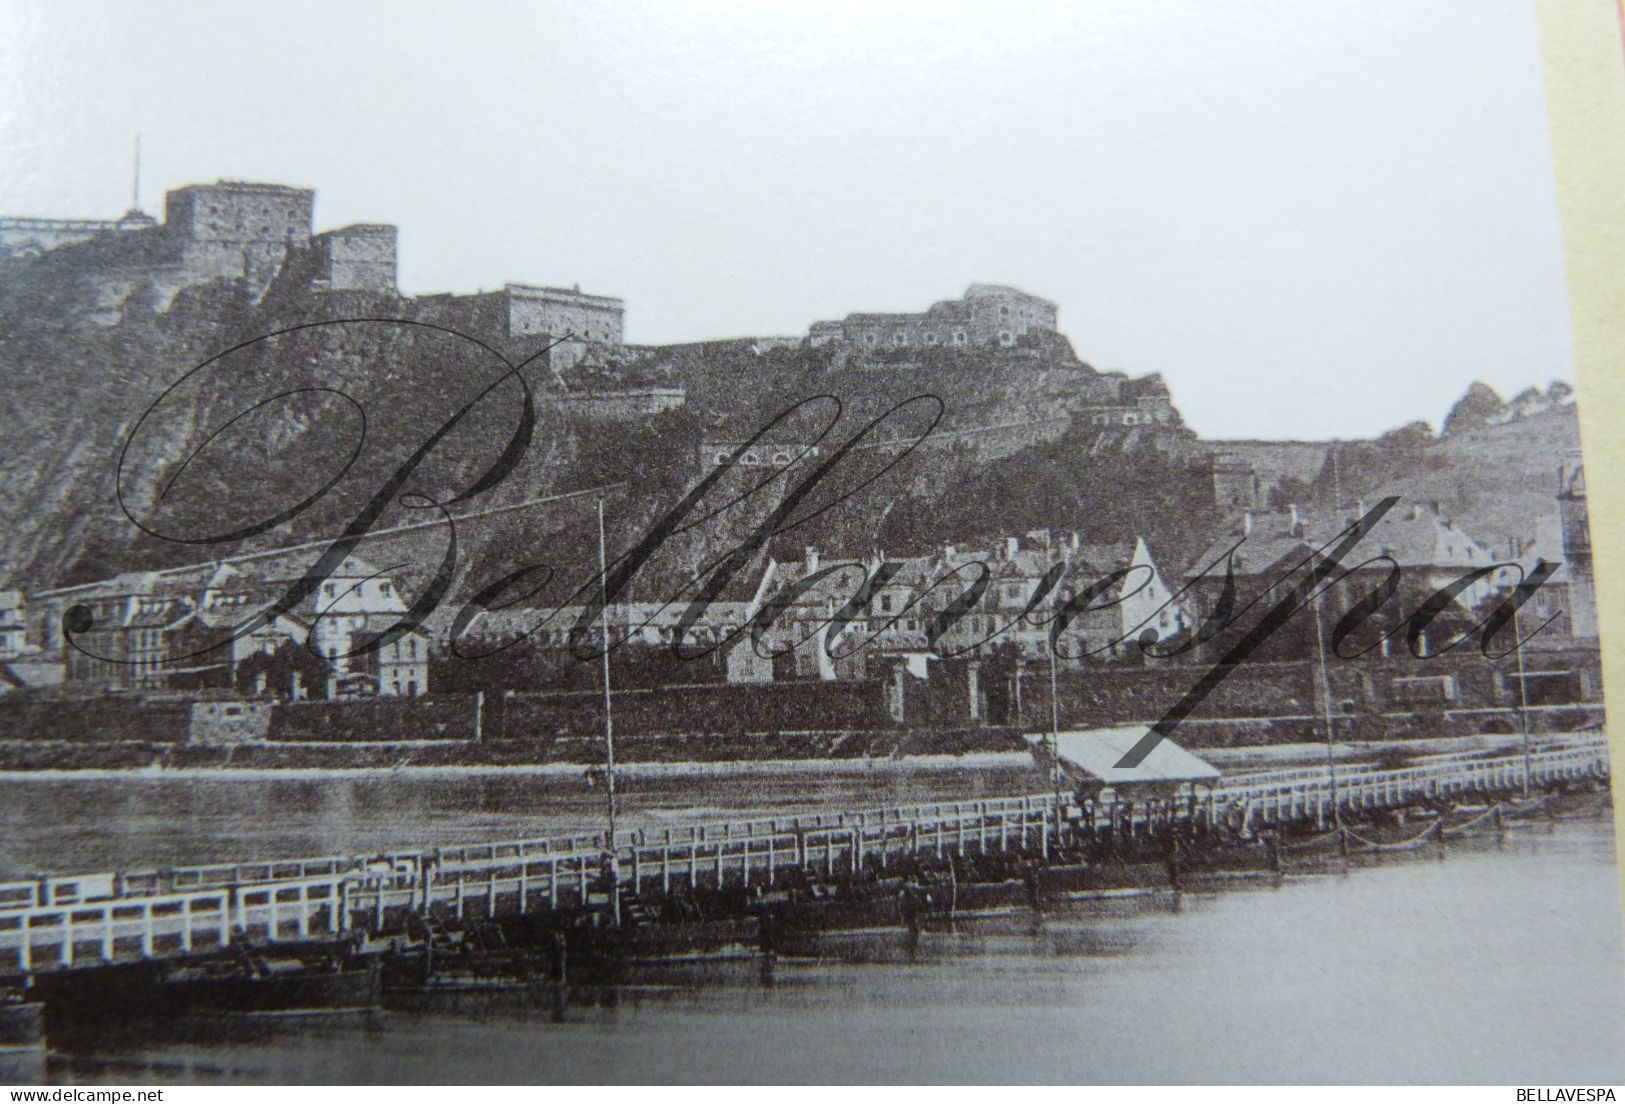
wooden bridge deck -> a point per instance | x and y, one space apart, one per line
94 919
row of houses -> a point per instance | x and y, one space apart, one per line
1037 597
846 618
218 626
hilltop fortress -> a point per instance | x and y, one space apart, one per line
257 235
259 240
987 314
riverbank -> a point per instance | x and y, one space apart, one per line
741 768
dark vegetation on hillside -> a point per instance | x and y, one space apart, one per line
1007 455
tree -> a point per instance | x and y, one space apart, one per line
1479 407
279 668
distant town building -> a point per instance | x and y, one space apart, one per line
193 627
1576 521
1275 546
898 602
1564 606
987 314
13 624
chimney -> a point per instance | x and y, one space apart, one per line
948 551
1011 546
1246 523
812 559
1294 522
1416 512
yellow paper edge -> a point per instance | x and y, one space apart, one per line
1583 62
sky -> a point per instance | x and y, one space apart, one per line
1313 218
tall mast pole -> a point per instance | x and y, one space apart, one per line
609 724
135 187
1326 705
1523 698
1055 773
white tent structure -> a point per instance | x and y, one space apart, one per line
1090 758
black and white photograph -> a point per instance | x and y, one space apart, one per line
798 544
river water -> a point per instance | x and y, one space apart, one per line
1498 963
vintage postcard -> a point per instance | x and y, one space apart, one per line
800 544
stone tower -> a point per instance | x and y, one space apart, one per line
1576 521
236 230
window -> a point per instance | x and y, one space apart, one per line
872 338
930 337
1004 312
959 337
332 590
383 588
900 337
1006 338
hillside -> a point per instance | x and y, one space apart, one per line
1025 438
254 434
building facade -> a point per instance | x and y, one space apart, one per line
194 627
987 314
29 237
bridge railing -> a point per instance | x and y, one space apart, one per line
737 855
1285 799
559 867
